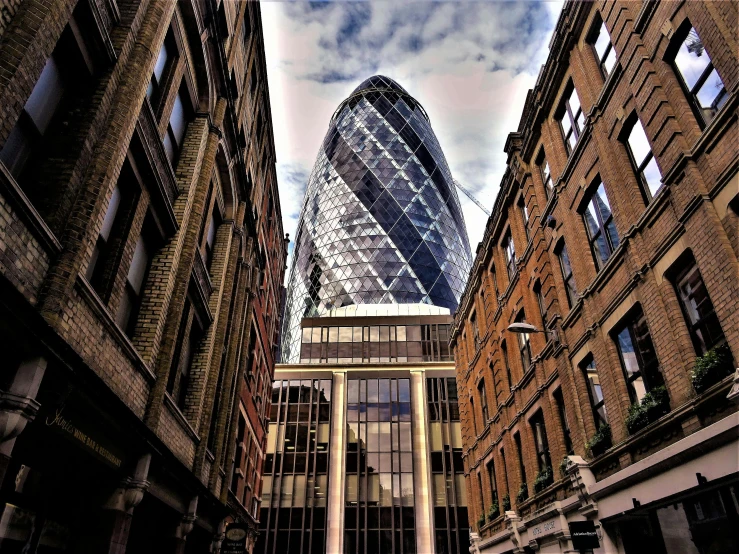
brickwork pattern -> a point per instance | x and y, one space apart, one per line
695 210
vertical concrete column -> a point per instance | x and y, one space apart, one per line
337 466
421 468
18 406
114 520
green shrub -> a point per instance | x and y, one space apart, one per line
653 405
523 493
480 521
494 510
563 467
507 503
543 479
600 441
710 368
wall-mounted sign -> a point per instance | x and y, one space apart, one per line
235 540
584 536
78 427
545 528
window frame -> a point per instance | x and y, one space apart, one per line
649 370
570 291
609 242
573 118
585 366
509 251
483 402
691 94
541 441
545 172
524 343
523 209
698 327
639 167
598 28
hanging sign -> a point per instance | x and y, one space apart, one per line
235 539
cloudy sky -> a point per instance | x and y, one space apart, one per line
470 65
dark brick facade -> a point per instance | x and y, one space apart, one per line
141 263
691 220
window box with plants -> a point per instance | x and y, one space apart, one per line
600 441
544 478
481 521
711 368
523 493
653 406
494 510
563 467
507 503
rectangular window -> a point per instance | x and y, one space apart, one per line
491 479
164 60
546 174
175 129
510 255
604 50
540 441
567 277
704 326
504 355
475 331
494 278
699 77
564 422
600 227
137 273
644 162
101 251
519 450
572 119
542 305
483 402
524 216
638 357
524 343
595 392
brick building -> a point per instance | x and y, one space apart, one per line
141 264
598 335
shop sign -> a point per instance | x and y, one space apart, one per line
545 528
235 539
63 421
584 536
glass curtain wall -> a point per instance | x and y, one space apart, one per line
379 513
375 343
295 486
451 524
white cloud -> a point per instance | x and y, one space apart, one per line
469 64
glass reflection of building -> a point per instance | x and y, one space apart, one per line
381 258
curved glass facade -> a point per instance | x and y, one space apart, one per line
381 222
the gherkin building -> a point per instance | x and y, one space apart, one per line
381 222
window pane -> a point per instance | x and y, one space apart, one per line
574 102
610 61
138 265
461 489
710 91
602 42
177 120
628 353
161 62
652 176
692 59
639 144
46 95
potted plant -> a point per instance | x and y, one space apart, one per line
523 493
710 368
653 405
507 502
544 478
494 510
600 441
563 467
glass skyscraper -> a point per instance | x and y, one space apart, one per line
381 222
364 452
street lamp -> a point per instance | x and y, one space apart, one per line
521 327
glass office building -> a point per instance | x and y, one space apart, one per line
365 449
381 222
